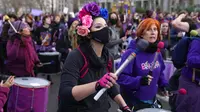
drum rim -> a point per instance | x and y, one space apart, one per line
32 86
153 109
25 86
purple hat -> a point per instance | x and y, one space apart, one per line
70 21
19 26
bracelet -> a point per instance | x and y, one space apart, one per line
125 108
98 87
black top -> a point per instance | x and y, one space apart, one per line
4 34
71 77
56 31
41 33
62 45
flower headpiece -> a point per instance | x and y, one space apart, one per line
86 15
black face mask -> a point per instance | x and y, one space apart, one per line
101 36
113 21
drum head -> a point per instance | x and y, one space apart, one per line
49 53
153 110
31 82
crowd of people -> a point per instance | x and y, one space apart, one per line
88 44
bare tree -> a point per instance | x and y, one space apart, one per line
30 4
16 4
5 5
40 3
76 5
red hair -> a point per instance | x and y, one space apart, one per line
145 25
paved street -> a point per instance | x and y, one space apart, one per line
53 93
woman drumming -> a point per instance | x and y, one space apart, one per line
78 85
138 88
21 54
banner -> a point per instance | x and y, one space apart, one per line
36 12
65 10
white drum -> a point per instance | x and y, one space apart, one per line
153 110
31 82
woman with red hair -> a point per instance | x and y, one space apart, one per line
137 86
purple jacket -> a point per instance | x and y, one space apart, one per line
129 79
16 58
193 60
3 96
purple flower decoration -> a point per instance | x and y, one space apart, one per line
93 8
104 13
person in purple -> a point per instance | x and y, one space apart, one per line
137 87
21 54
190 76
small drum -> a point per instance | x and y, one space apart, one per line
153 110
28 94
47 57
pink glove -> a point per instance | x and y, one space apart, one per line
104 80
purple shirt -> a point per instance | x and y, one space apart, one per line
193 59
129 79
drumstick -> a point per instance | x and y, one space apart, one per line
7 18
48 63
46 38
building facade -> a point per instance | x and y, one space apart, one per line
61 4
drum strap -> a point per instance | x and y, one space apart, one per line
32 99
84 69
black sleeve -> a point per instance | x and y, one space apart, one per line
61 45
113 92
69 77
37 36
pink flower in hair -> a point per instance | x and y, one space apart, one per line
82 30
82 13
87 21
